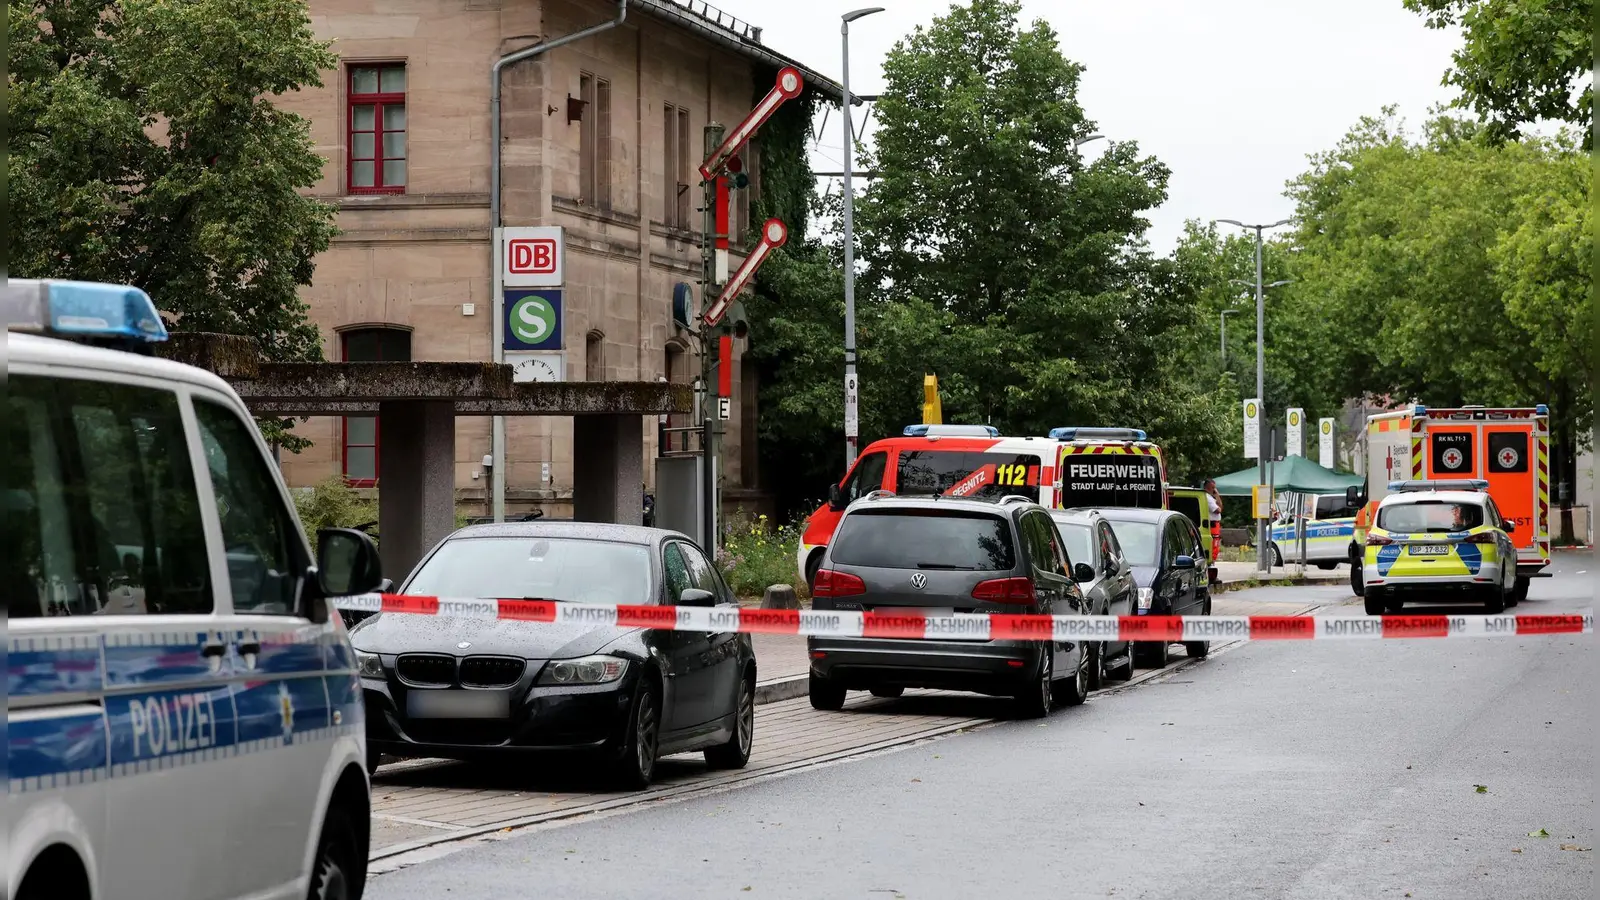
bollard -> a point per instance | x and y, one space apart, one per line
779 596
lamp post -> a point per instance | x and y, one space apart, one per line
851 386
1224 333
1263 559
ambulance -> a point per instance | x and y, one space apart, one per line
1509 448
1073 467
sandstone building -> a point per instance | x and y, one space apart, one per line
601 136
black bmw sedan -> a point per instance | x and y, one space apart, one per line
469 688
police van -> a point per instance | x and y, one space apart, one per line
184 718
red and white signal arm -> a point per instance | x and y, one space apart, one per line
788 86
532 256
773 235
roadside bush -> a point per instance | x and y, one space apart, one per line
333 503
755 554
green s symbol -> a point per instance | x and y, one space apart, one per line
533 319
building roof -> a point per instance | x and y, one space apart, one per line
734 34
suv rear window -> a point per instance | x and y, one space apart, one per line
917 539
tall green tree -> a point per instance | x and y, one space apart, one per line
146 150
1450 268
1521 60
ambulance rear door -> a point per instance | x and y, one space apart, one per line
1511 466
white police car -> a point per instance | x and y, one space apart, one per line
184 720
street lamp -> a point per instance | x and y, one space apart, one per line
1224 331
1263 558
1081 141
851 388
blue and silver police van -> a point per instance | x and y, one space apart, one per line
184 718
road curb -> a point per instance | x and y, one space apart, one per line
779 689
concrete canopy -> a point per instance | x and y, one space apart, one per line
417 403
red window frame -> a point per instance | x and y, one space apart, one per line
344 423
378 101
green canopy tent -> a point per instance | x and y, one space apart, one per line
1295 473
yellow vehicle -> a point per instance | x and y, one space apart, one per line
1439 539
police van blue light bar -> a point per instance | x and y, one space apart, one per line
1441 484
1100 434
80 309
951 431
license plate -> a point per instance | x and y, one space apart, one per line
458 704
922 610
1430 549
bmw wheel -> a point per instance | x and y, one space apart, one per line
637 764
735 754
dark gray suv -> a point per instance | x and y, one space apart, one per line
938 556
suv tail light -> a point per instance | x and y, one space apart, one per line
837 584
1484 537
1005 590
1378 540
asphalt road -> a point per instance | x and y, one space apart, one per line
1285 770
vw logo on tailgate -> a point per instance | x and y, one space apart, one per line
919 581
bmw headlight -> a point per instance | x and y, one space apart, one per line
1146 597
369 665
587 670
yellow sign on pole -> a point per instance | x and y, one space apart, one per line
1261 501
932 413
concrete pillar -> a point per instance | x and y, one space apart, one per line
416 481
608 469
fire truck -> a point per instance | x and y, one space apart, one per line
1507 447
1073 467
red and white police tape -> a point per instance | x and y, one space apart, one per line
974 627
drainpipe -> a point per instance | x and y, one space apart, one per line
498 448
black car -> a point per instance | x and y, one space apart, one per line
1164 550
938 556
471 688
1106 580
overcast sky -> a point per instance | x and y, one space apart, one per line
1231 94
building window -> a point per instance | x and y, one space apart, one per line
676 150
594 142
594 357
361 432
377 129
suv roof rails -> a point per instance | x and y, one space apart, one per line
1014 498
879 494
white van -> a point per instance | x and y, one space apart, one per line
183 718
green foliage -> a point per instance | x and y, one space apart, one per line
755 554
1521 61
333 503
994 257
145 150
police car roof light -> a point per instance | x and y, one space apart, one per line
951 431
1111 434
82 309
1450 484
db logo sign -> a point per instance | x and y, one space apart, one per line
531 257
535 257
